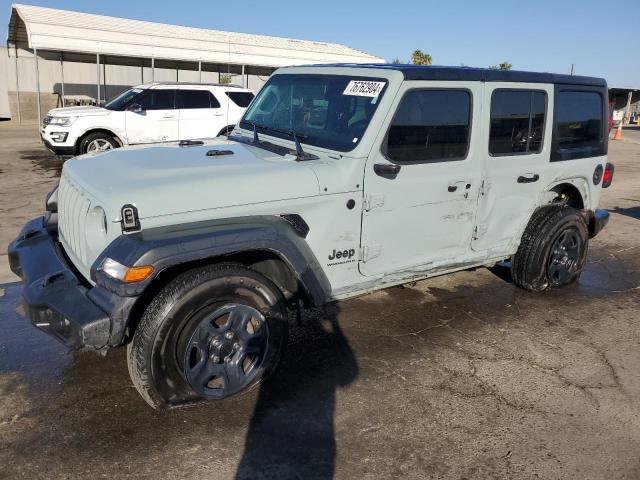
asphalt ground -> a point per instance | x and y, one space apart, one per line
458 377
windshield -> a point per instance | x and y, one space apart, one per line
329 111
123 99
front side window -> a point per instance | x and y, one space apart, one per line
578 124
157 99
431 126
329 111
122 100
187 99
517 121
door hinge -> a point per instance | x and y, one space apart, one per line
481 192
367 252
373 201
479 230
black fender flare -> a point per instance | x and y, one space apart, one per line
166 247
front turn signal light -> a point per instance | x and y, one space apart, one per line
125 274
137 274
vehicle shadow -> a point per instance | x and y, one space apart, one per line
291 433
633 212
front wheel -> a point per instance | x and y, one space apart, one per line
553 249
213 332
97 142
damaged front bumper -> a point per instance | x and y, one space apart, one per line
58 300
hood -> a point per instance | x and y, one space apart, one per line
78 111
166 180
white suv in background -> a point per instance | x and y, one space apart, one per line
150 113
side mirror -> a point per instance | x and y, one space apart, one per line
135 108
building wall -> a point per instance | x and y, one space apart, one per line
80 82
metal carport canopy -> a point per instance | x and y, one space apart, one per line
67 31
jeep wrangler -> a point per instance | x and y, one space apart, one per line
338 180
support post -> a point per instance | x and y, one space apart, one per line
142 71
177 72
243 78
627 116
35 56
62 79
18 87
200 71
98 75
104 78
153 69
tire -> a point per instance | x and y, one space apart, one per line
226 131
182 351
553 249
97 142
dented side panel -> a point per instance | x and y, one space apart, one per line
506 202
426 213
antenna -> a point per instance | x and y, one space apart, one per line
229 81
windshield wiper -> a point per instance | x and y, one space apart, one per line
300 153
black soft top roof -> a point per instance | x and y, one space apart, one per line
432 72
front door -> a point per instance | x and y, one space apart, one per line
516 162
421 185
152 118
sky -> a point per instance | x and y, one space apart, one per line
601 38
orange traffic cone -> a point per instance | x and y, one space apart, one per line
618 135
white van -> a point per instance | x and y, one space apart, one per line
150 113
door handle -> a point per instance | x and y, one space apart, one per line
169 115
386 169
454 186
528 178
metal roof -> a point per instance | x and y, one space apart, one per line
64 30
436 72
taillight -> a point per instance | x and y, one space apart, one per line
607 177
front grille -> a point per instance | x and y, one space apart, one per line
73 206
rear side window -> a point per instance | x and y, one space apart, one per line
157 99
517 121
579 122
187 99
430 126
241 99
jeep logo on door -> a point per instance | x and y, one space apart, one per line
338 257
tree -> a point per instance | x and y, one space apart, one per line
226 78
396 61
420 58
502 66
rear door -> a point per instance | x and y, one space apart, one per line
515 152
157 120
421 184
201 114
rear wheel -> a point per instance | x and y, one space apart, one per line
553 249
97 142
212 333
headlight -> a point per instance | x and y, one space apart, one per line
123 273
62 121
96 223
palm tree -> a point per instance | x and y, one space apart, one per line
502 66
420 58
